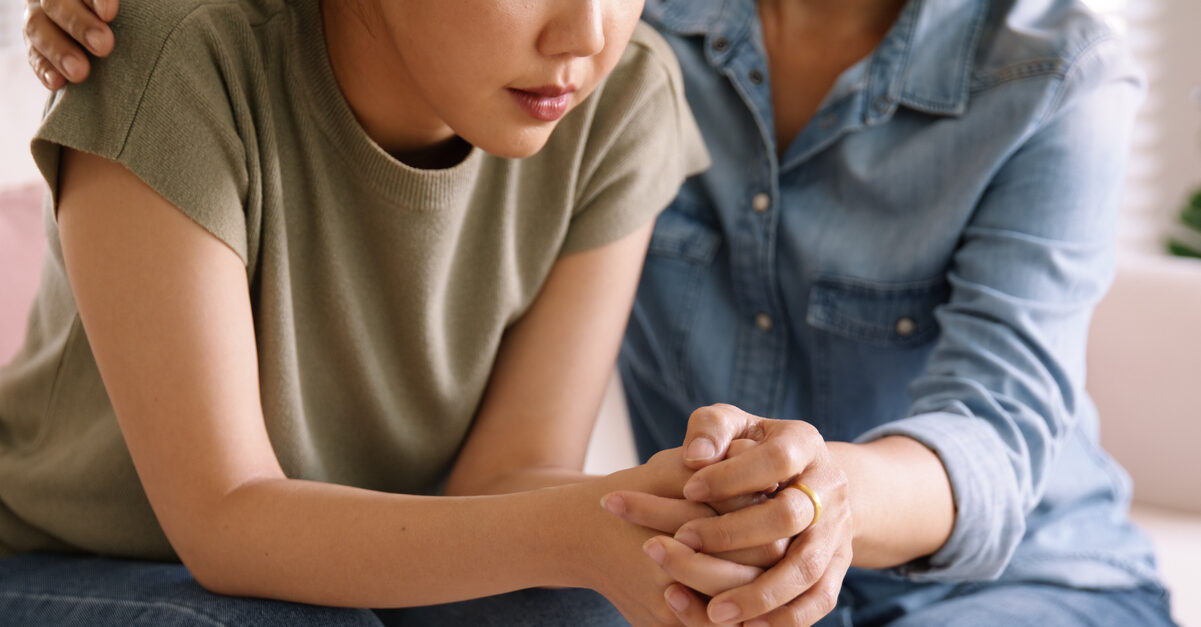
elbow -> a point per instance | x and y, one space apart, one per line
213 571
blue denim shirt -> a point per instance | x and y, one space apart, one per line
923 260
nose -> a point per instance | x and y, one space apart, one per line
577 30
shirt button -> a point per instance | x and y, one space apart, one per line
721 44
761 203
881 104
906 326
763 322
756 77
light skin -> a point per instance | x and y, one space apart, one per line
181 371
884 503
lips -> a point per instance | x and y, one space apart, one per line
548 103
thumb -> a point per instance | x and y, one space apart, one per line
711 430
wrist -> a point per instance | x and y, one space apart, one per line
900 497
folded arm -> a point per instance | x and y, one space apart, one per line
167 311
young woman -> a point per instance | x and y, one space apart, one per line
907 224
311 262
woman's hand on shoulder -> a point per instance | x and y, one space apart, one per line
59 35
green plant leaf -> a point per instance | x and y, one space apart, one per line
1183 250
1191 215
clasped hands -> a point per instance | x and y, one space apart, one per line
741 546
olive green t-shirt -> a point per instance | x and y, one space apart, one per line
380 292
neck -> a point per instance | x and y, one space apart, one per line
374 81
871 17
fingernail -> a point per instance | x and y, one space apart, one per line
689 538
696 490
98 6
47 78
614 504
72 67
94 39
700 450
724 613
655 551
676 599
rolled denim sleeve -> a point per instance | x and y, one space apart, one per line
1001 389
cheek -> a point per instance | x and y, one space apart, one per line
618 28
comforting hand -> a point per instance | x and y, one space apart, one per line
667 515
619 567
57 33
803 586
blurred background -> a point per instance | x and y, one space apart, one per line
1145 342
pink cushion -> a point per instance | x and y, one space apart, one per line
22 241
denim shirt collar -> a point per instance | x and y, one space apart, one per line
924 62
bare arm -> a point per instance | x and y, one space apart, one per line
166 309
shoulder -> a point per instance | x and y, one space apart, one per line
191 39
646 85
185 54
647 70
144 28
1054 39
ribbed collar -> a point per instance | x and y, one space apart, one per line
313 75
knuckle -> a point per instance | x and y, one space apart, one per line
800 615
781 456
29 28
708 416
721 537
807 568
794 511
824 599
76 24
806 430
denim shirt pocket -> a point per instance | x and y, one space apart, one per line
870 340
881 314
682 248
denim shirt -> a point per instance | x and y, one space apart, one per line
923 261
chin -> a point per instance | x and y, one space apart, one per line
518 145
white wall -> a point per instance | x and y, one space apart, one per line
21 100
1166 163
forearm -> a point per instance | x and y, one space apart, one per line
333 545
521 480
901 500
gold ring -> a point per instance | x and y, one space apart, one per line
813 498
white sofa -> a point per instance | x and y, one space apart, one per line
1144 375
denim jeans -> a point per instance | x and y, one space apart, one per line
70 590
65 591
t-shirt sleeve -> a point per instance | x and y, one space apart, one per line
644 143
161 106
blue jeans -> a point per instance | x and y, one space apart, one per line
38 590
71 590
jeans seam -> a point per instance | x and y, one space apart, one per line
42 596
